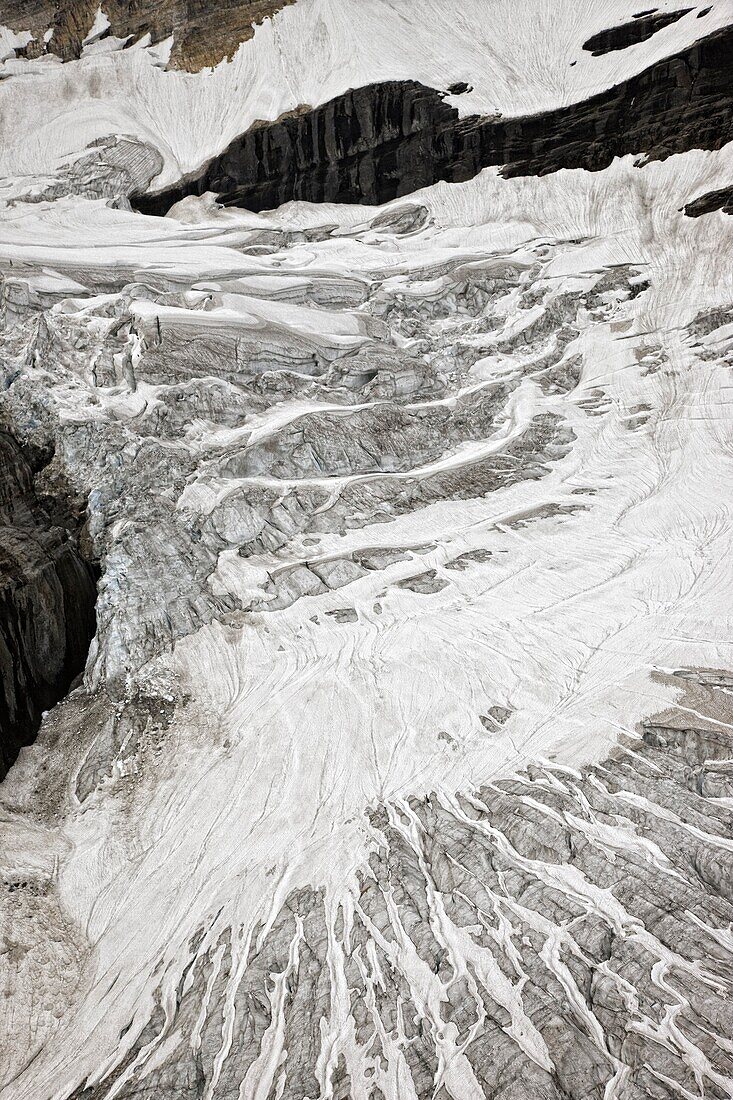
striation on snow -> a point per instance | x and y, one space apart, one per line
365 587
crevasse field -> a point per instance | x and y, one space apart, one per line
399 765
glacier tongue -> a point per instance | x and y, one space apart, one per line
401 764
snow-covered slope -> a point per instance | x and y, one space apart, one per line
400 767
515 63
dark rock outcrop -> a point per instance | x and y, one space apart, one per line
47 598
375 143
203 33
642 27
712 200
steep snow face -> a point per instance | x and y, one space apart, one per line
389 139
401 765
314 50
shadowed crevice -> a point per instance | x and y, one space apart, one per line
47 601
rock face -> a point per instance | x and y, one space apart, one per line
47 596
203 33
380 142
641 28
722 199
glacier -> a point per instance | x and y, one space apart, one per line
365 564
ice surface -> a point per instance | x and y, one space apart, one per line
319 645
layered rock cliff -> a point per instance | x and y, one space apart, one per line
377 143
203 34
